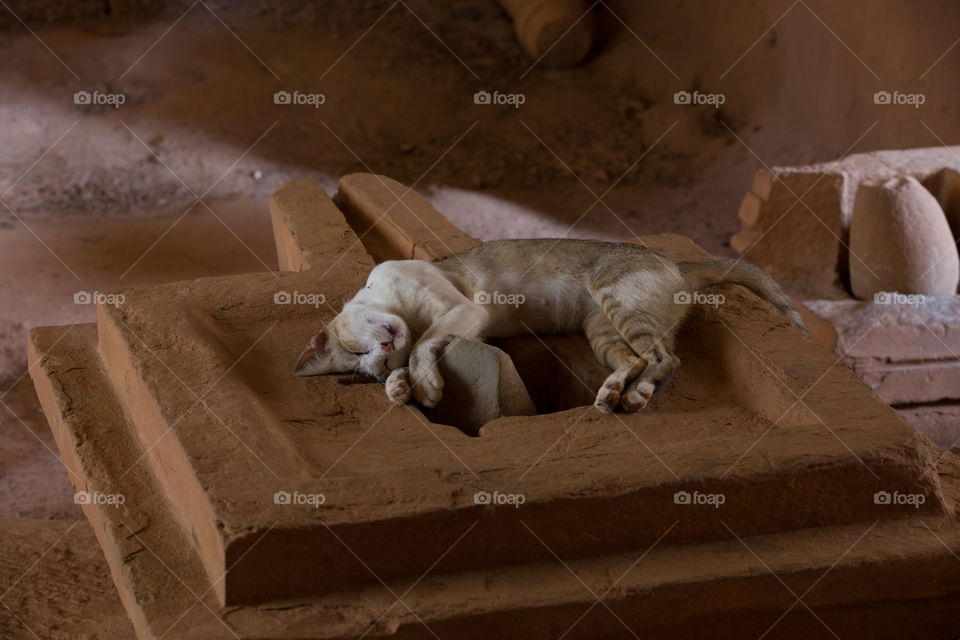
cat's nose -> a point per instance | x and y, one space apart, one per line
387 346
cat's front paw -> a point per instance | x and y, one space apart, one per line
428 387
398 386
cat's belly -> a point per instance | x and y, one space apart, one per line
523 314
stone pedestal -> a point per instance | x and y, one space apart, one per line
261 505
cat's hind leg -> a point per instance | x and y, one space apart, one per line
658 372
653 343
613 352
641 306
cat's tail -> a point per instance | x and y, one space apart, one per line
704 274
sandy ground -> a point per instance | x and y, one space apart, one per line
174 183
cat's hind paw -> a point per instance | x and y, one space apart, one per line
398 386
609 396
637 397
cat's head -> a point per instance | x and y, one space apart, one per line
361 339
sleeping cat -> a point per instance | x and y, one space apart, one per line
628 300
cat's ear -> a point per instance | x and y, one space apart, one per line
316 359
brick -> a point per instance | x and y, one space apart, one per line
875 332
939 422
311 233
744 239
921 162
674 247
914 382
794 233
396 222
749 212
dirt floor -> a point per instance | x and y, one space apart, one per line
174 183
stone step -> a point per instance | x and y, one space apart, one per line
938 421
916 329
914 383
883 578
